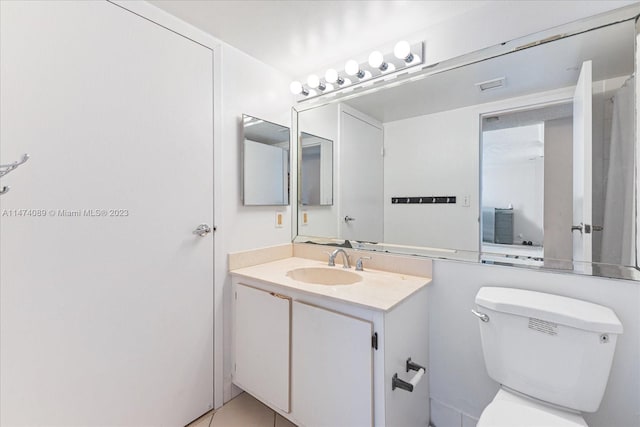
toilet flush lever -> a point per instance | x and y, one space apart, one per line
480 316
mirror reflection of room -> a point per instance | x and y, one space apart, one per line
527 172
316 169
513 180
266 162
498 137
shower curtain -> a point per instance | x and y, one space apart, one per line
618 234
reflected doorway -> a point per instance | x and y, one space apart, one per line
527 183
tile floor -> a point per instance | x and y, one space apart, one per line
243 411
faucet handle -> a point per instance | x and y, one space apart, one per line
332 259
359 266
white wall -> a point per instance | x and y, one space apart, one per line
250 87
442 151
457 375
432 155
521 185
513 175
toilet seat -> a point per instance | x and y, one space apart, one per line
511 410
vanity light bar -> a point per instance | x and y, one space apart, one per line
378 66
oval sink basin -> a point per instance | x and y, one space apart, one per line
324 276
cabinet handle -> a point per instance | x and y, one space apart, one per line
273 294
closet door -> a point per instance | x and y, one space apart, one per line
106 295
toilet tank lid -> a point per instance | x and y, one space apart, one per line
551 308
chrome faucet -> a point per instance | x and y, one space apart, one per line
359 266
345 258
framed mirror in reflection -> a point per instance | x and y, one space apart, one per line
265 155
524 155
316 170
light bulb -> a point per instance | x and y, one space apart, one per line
331 75
402 50
351 67
313 81
296 88
376 59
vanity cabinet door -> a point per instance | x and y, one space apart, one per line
332 362
262 338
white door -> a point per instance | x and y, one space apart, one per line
262 337
332 364
106 295
582 165
361 179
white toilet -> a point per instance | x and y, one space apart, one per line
551 355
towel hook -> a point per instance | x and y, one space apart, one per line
5 169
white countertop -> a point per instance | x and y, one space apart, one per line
379 290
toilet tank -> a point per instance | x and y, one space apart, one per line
549 347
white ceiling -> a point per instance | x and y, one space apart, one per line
504 147
302 37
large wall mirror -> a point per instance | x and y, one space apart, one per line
265 155
522 154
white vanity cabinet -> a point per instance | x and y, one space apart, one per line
337 375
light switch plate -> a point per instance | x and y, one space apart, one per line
279 219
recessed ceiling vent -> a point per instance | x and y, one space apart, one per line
492 84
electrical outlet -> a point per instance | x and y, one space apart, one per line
279 220
466 201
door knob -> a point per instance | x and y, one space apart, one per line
202 230
348 219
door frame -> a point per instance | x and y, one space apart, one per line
157 16
540 100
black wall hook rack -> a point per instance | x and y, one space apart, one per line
423 200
